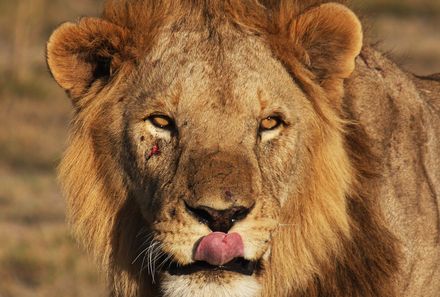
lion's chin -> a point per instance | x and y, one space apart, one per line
219 283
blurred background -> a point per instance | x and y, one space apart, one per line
37 255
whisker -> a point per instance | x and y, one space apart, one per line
146 243
153 256
167 258
138 256
142 265
153 249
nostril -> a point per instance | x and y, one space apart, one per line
240 213
202 215
218 220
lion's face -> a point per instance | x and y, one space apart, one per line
214 156
215 145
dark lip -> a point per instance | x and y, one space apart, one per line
238 265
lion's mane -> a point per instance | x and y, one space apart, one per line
359 255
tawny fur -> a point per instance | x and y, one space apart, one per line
329 217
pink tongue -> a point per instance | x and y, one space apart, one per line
219 248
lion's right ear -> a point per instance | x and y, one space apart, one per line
88 52
330 36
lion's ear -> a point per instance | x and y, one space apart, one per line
331 38
80 54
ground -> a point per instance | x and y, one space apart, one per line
37 254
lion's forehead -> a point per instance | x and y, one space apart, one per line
235 74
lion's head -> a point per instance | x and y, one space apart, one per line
207 153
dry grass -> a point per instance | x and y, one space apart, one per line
37 255
425 8
413 42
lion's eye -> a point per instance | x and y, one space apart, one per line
270 123
162 122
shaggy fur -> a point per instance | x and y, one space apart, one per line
317 224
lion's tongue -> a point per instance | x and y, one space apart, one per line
219 248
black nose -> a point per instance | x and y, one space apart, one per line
218 220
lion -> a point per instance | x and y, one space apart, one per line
248 148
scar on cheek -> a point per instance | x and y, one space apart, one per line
154 151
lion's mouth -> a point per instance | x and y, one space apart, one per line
238 265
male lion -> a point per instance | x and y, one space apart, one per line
248 148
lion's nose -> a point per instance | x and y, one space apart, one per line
219 220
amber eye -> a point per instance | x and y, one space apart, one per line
162 122
270 123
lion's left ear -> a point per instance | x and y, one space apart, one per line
91 50
330 36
